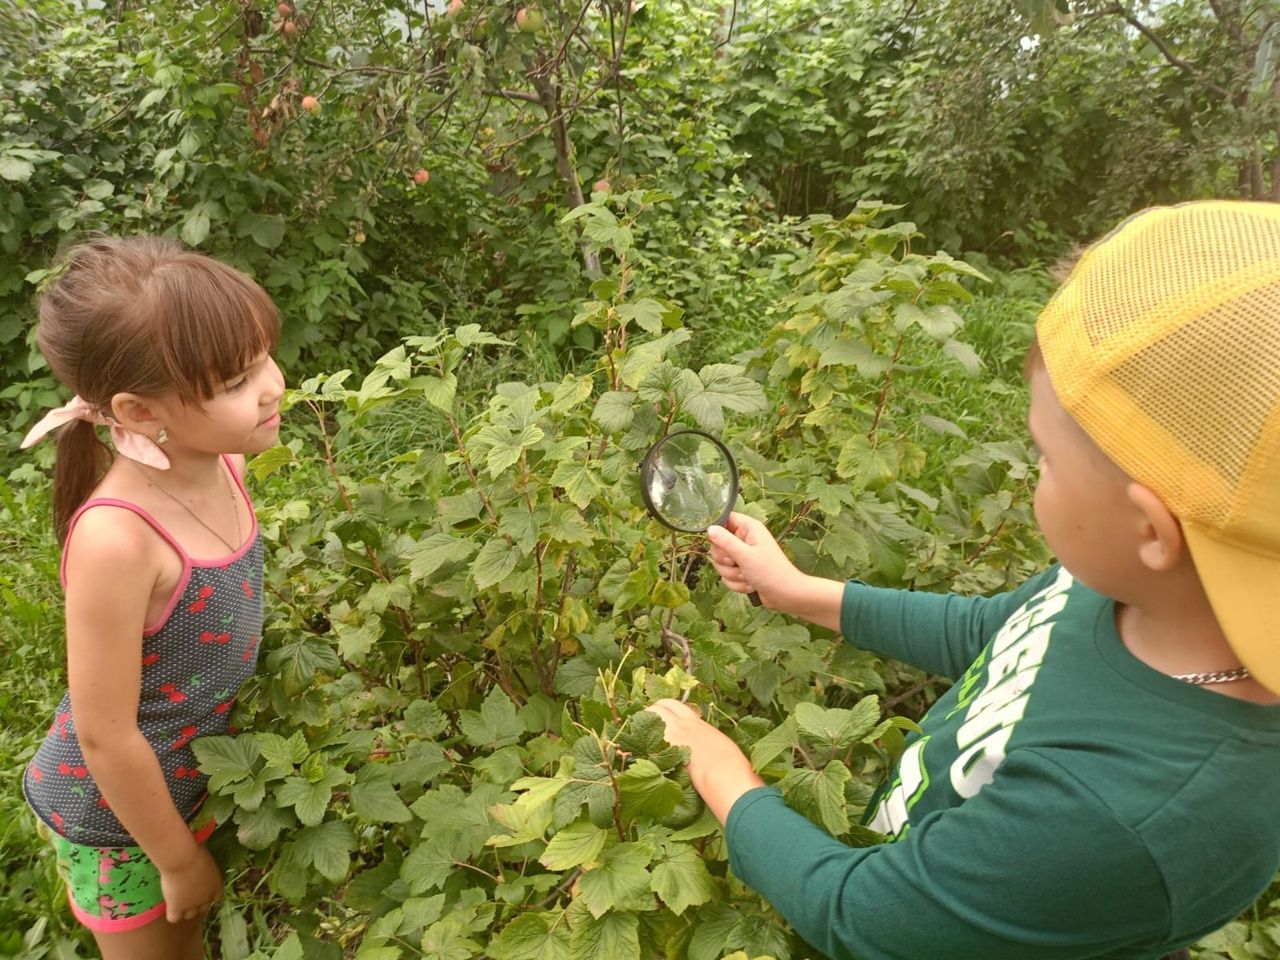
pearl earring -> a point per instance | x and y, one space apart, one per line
162 437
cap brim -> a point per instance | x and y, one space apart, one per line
1244 590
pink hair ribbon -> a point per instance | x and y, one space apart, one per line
130 444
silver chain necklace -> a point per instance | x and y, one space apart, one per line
1213 676
234 507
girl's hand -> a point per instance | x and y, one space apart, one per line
748 559
192 889
718 770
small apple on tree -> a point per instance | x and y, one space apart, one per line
602 186
288 28
284 9
530 19
455 7
310 104
421 175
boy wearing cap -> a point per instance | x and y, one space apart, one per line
1103 780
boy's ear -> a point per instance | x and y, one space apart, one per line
1161 545
137 413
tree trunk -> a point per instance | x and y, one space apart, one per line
549 97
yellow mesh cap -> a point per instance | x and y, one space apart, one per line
1164 345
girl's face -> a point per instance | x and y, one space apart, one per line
243 416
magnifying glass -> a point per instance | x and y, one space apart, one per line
689 480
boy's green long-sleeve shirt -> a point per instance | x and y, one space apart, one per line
1063 801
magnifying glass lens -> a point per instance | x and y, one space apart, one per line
690 481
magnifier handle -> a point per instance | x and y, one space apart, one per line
754 598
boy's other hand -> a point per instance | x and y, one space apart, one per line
718 770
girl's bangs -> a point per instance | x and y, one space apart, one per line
214 323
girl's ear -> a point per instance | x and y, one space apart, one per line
137 413
1161 545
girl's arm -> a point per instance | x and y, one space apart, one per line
112 566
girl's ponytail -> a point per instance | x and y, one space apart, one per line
82 460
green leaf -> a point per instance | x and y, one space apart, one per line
267 230
578 481
615 409
668 594
374 797
309 800
428 865
195 229
765 750
532 936
828 792
615 936
496 725
569 393
16 169
837 727
280 753
226 760
646 313
496 560
259 829
646 792
431 553
328 848
681 879
964 355
578 843
620 882
98 189
856 354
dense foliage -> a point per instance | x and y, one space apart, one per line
512 250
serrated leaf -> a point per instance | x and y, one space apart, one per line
578 843
431 553
569 393
578 481
532 936
15 169
856 354
765 750
964 355
374 797
615 410
328 848
645 792
226 760
195 228
837 727
309 800
494 563
681 879
428 865
646 313
496 725
828 791
620 882
615 936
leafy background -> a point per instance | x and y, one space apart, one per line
818 228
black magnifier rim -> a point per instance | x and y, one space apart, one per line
645 469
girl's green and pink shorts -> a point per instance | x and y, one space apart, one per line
111 889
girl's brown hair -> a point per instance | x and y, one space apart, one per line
142 315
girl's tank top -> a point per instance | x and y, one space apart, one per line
193 664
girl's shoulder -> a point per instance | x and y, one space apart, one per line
110 534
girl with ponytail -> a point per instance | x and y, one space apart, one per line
161 571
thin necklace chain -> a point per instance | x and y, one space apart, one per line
234 506
1213 676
